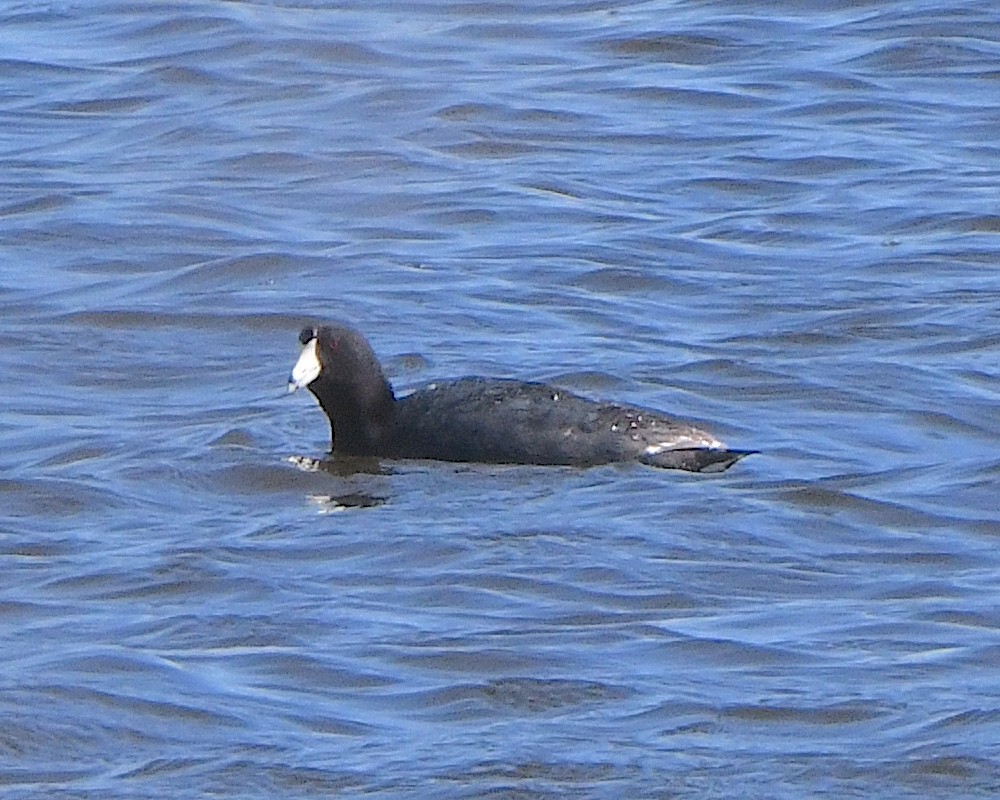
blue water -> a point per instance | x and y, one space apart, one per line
779 221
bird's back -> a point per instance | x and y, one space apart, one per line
509 421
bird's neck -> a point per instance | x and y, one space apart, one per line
360 416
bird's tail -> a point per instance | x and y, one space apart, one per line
697 459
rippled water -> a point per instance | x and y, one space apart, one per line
779 220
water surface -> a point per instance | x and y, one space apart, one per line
780 221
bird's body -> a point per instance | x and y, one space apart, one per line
486 420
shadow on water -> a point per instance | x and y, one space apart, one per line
345 470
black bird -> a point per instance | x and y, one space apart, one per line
488 420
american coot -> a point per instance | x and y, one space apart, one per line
488 420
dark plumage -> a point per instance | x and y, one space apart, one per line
486 419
